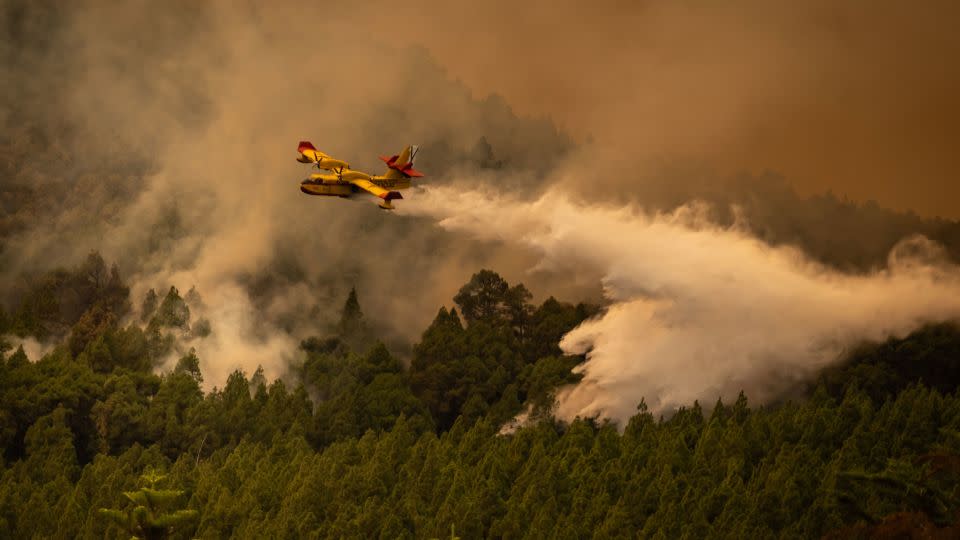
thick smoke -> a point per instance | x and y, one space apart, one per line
162 135
698 311
857 97
177 162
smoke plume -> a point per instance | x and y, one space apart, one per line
162 135
172 152
698 311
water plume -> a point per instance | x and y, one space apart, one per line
699 311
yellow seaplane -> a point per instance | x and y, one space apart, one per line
342 181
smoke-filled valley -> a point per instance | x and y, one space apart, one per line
555 331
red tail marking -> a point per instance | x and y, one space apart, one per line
407 168
305 145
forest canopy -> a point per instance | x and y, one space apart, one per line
355 442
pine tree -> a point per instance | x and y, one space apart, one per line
155 515
352 327
149 306
172 313
483 297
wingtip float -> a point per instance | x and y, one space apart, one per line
341 181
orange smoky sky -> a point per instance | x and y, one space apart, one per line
861 98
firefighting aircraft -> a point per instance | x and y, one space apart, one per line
344 182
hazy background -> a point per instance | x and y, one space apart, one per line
163 135
855 97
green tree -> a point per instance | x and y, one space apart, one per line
189 364
120 418
453 366
518 309
483 297
172 313
50 448
352 327
149 305
155 514
351 317
548 324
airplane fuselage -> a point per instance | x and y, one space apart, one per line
313 187
336 183
333 185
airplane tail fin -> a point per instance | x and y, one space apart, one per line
401 165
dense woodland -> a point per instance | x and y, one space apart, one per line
356 443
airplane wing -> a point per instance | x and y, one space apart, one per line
309 154
376 190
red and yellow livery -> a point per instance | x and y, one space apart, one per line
345 182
